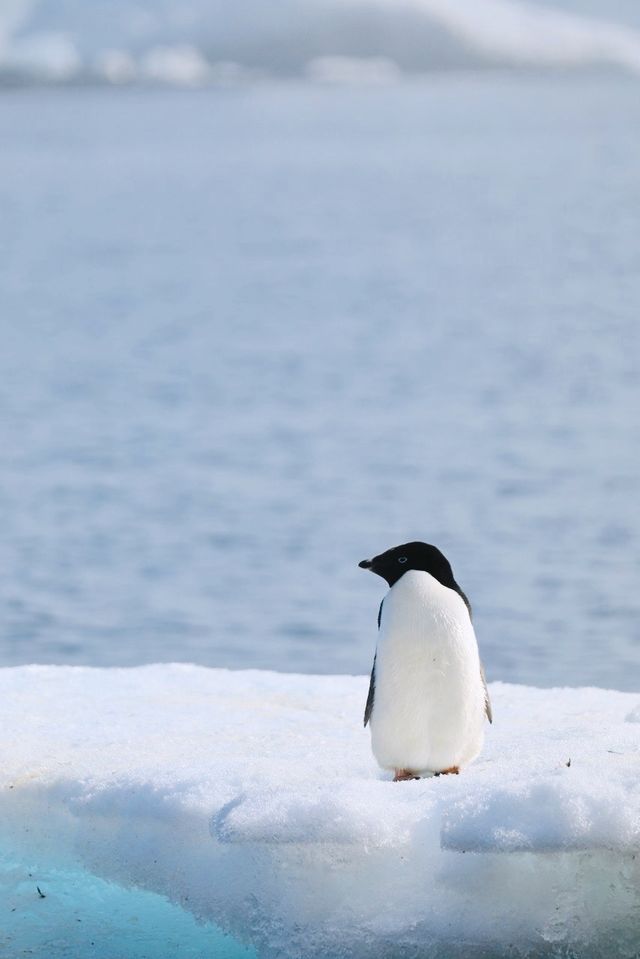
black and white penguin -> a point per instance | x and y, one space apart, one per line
428 699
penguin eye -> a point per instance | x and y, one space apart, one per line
402 559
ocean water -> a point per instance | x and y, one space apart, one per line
64 913
251 336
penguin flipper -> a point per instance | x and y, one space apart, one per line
368 709
487 701
372 682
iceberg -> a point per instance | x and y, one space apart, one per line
251 800
358 40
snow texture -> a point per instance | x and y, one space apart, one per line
252 799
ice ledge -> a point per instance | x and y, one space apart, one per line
253 798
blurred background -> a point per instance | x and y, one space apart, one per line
285 284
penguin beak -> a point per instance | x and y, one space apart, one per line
365 564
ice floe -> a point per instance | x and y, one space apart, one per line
252 799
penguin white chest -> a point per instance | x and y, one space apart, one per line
429 702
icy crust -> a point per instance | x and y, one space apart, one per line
252 799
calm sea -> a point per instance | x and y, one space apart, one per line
252 336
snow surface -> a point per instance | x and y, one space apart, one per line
252 799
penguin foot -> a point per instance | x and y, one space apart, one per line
455 770
401 775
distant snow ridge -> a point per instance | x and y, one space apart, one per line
512 31
252 799
344 41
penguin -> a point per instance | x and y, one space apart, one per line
428 699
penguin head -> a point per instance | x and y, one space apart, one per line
395 562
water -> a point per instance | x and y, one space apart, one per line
65 913
250 337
